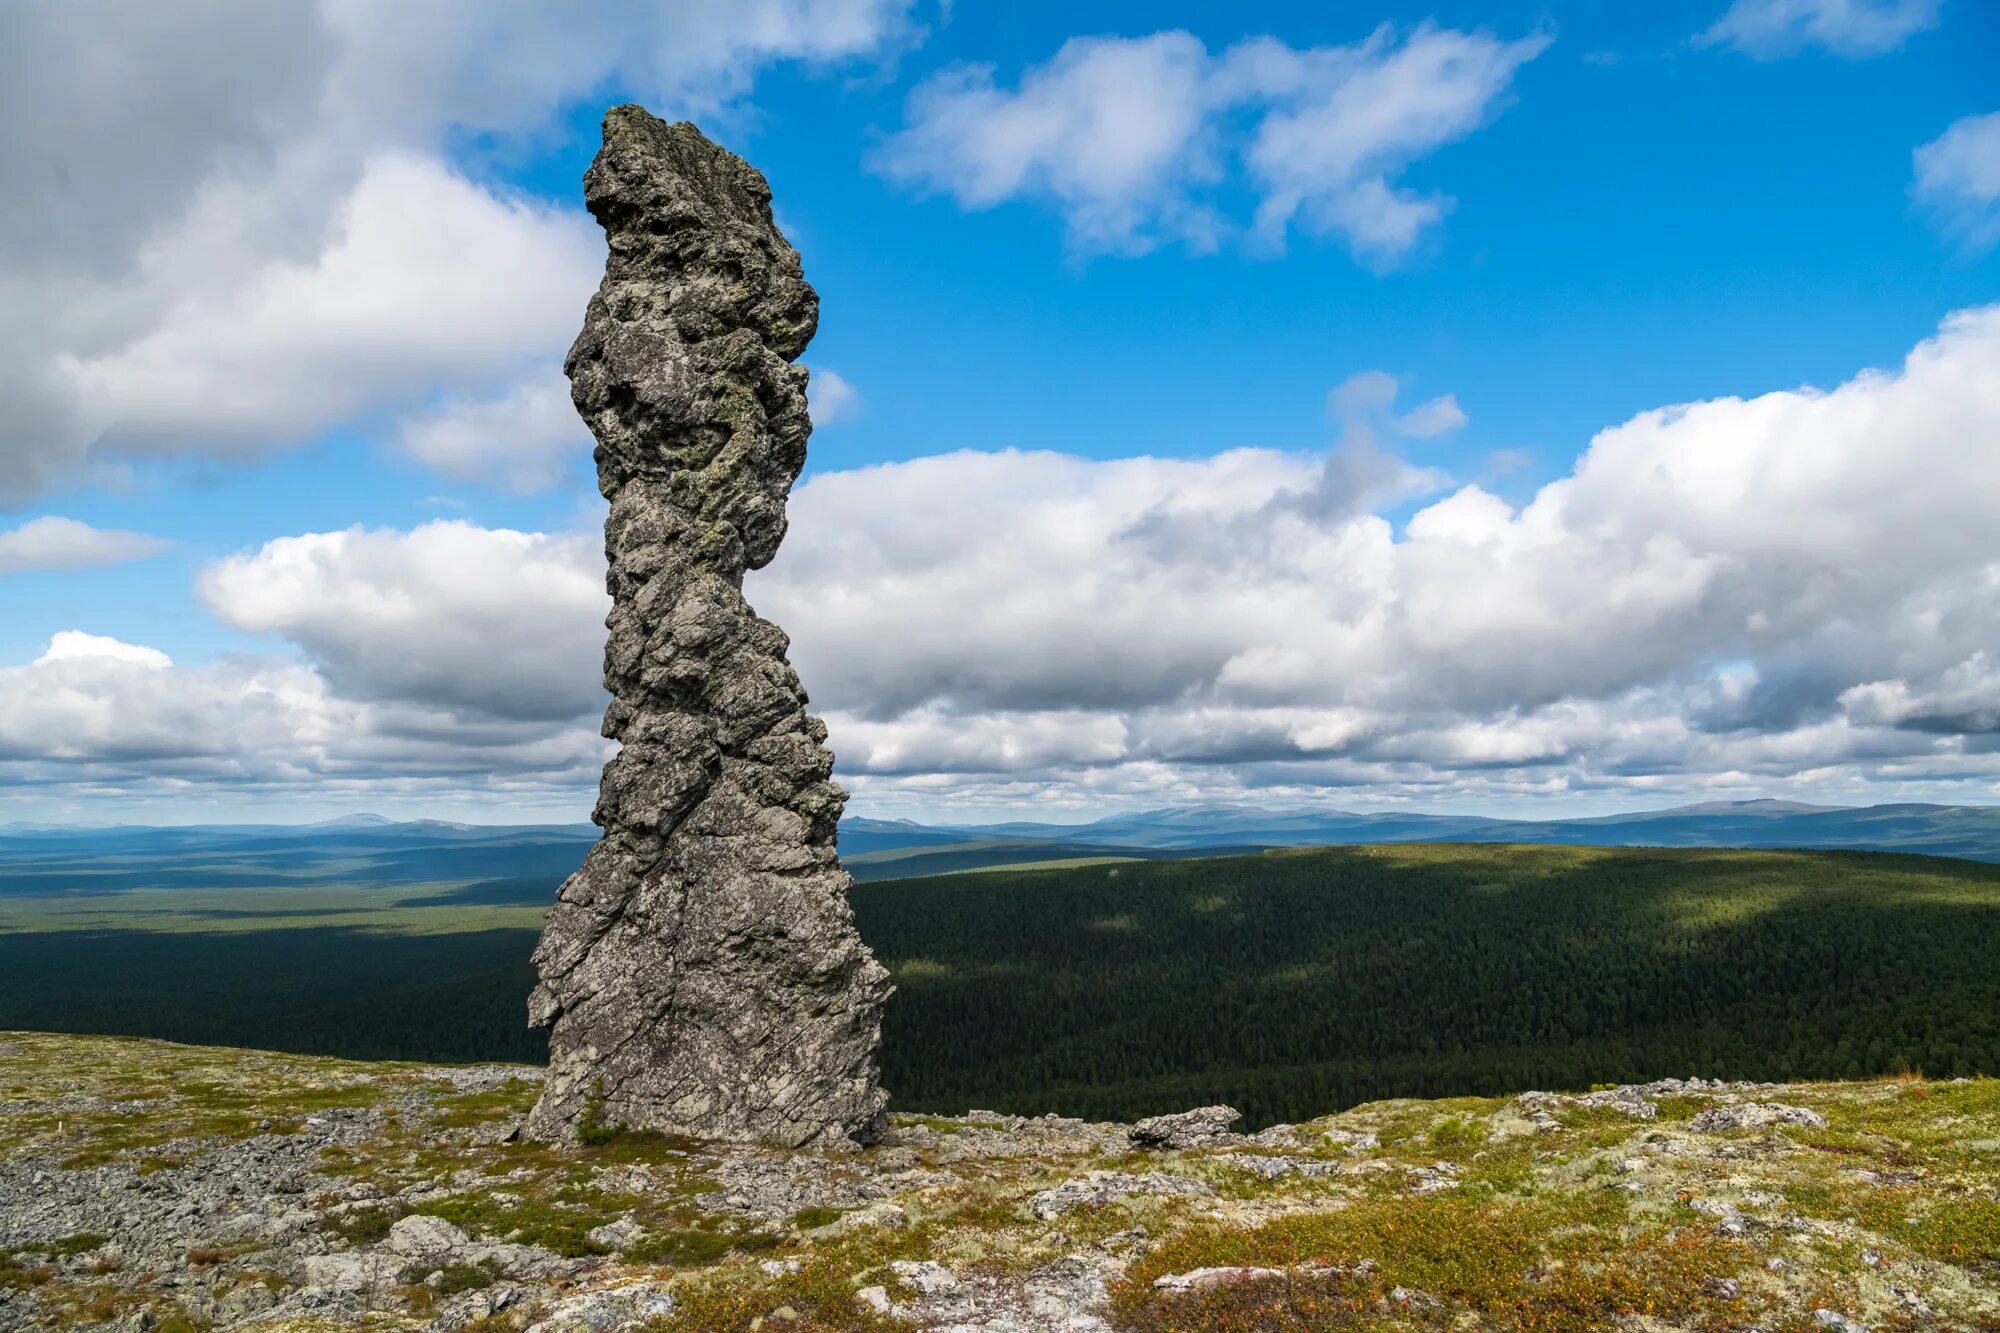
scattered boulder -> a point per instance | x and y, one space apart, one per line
1187 1129
608 1310
615 1235
1755 1115
422 1236
1099 1188
885 1215
354 1272
1271 1168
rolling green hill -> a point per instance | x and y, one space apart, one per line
1284 983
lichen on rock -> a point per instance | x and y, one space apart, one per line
700 974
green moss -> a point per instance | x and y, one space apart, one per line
529 1222
456 1278
810 1219
682 1249
1511 1265
362 1226
514 1097
1457 1131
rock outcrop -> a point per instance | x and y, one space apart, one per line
700 974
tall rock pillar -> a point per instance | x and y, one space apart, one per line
700 974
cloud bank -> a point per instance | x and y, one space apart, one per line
1798 590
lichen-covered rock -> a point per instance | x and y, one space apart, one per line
1756 1115
1186 1129
700 974
1095 1189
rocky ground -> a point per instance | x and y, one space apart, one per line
146 1186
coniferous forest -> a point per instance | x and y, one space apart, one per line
1287 984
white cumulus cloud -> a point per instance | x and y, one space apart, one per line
491 623
1440 416
408 296
1854 29
831 397
525 438
233 227
52 542
1127 136
1958 178
1800 583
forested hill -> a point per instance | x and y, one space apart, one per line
1322 978
1284 983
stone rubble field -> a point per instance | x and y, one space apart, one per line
151 1187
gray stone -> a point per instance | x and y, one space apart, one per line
926 1276
1188 1129
701 974
881 1216
1095 1189
1200 1279
1271 1168
1755 1115
419 1235
610 1310
359 1271
615 1235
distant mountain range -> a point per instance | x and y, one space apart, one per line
523 863
1970 831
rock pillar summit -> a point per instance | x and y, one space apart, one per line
700 974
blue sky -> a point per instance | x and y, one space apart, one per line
1628 208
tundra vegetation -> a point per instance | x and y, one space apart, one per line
148 1185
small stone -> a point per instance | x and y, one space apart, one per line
1834 1319
874 1298
1201 1278
1873 1258
927 1276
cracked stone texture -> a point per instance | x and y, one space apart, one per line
700 974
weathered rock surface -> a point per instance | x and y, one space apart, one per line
1204 1124
1756 1115
700 974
